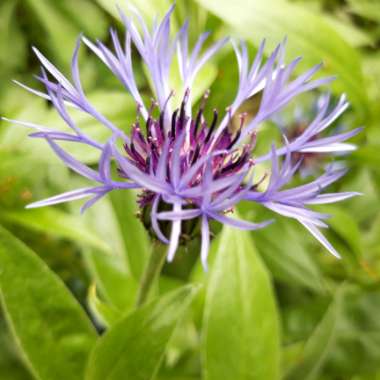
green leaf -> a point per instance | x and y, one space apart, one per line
134 347
111 272
241 327
288 258
104 313
134 235
113 279
320 343
57 223
309 36
347 228
11 367
49 325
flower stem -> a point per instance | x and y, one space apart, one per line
151 273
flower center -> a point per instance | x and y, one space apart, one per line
186 142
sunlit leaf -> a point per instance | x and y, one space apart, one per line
241 329
112 277
134 347
56 223
112 273
134 235
51 328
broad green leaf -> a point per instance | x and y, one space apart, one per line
56 223
308 35
50 327
134 235
112 273
134 347
241 328
97 233
320 344
113 279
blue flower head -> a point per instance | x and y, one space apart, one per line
185 166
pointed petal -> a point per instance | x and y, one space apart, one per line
180 215
319 236
72 163
205 245
65 197
155 225
332 198
93 200
242 224
175 234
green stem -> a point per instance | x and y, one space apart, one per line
151 272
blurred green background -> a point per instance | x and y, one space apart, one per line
329 309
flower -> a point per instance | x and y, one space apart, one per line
313 157
188 168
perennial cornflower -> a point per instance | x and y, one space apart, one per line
293 124
187 167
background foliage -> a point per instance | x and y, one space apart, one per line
274 305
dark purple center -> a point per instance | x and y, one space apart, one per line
146 146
